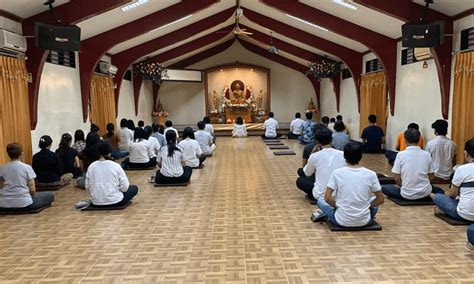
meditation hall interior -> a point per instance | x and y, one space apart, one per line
236 141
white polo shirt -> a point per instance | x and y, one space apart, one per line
106 182
141 152
323 163
413 165
270 126
126 137
209 128
351 189
191 151
240 130
442 151
296 126
465 174
205 140
155 145
15 192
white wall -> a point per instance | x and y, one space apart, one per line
126 104
59 104
290 90
348 107
328 99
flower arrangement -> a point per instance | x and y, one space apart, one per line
324 69
160 113
150 71
249 102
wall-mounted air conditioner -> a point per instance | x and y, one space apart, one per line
12 42
422 53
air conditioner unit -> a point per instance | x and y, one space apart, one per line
12 42
422 53
113 69
104 67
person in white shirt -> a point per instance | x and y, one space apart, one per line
17 184
240 130
322 164
205 140
125 136
141 155
296 127
172 163
347 201
442 151
332 121
271 126
154 143
106 181
208 127
169 126
461 208
413 169
191 150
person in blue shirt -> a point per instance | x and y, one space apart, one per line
307 127
373 136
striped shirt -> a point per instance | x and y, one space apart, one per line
171 166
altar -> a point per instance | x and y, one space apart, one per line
231 114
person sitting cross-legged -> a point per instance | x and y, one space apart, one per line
402 145
307 129
107 182
191 150
347 201
442 151
17 184
240 130
461 208
322 164
373 136
271 126
205 140
340 138
172 163
141 152
413 171
295 127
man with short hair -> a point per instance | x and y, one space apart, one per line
372 136
307 135
442 151
169 126
271 126
156 133
141 124
125 136
322 164
347 201
413 171
402 145
205 140
295 127
325 120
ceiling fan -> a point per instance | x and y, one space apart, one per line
239 12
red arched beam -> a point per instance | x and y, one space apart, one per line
137 85
410 12
283 61
156 90
95 47
202 55
69 13
181 50
298 52
384 47
125 58
351 58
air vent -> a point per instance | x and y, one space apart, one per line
467 39
67 59
373 65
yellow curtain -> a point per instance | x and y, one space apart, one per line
373 99
14 107
102 102
463 101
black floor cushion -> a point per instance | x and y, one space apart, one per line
372 226
284 153
13 212
452 221
101 208
278 147
404 202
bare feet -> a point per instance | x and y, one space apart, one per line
437 210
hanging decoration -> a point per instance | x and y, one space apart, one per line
150 71
323 69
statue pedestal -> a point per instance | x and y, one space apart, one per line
159 120
232 114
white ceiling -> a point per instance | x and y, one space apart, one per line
116 17
363 17
449 7
27 8
214 9
280 52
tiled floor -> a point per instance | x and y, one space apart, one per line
241 220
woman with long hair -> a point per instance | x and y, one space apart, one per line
141 154
68 156
88 156
113 139
173 169
48 168
79 141
191 150
240 130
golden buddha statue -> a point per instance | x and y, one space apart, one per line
238 96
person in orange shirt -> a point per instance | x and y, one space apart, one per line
402 144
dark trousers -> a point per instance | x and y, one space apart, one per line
40 199
305 183
202 158
394 191
149 164
391 156
127 197
184 178
291 135
470 234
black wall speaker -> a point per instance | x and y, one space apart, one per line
423 34
60 38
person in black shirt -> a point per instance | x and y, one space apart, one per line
88 156
48 168
372 136
68 156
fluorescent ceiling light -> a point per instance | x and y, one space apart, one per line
172 23
345 4
134 5
308 23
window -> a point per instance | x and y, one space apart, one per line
346 73
408 56
467 39
62 58
373 65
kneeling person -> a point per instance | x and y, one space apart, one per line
347 201
107 182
